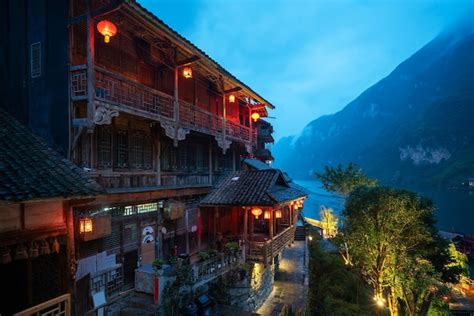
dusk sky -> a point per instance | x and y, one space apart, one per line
309 58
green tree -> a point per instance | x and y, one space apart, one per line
344 180
329 221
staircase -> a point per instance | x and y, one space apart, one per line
300 233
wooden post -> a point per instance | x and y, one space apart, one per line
224 113
233 160
186 221
244 233
90 52
70 249
199 229
214 222
176 103
271 222
210 163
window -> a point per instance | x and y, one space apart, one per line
145 208
35 59
141 152
104 147
121 150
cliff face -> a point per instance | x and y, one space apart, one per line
414 127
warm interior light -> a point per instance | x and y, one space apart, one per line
187 72
256 212
266 215
85 225
231 98
106 28
255 116
278 214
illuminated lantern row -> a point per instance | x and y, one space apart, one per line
107 29
85 225
187 72
255 116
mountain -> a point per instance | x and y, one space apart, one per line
415 127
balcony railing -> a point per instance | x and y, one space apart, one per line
59 306
264 251
209 269
135 98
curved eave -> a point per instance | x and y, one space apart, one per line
192 49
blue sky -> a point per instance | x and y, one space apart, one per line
308 57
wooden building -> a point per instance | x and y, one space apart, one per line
38 189
154 120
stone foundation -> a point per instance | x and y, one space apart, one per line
246 290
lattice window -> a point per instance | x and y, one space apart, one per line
141 152
35 60
104 147
121 149
202 159
191 157
145 208
128 210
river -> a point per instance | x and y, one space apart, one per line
455 208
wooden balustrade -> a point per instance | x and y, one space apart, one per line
58 306
110 281
138 99
209 269
264 251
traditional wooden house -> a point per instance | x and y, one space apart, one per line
149 116
38 189
257 208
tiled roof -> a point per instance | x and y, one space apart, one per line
253 187
30 169
256 164
161 23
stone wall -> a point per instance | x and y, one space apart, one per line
250 292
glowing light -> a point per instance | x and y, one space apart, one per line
266 215
107 28
310 238
255 116
187 72
278 214
85 225
256 212
231 98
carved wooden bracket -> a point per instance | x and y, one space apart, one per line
223 143
103 116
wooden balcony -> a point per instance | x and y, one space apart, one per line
125 95
205 271
265 251
60 306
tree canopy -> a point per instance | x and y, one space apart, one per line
344 180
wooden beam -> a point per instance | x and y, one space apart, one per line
244 233
233 90
187 61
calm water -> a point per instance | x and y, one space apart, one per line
455 208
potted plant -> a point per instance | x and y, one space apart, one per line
203 255
157 265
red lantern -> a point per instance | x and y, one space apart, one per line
106 28
187 72
85 225
255 116
256 212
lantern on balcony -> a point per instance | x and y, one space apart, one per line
255 116
187 72
256 212
278 214
106 28
85 225
266 215
231 98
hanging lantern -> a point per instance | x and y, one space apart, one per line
256 212
266 215
106 28
20 253
44 249
255 116
231 98
33 251
56 245
187 72
5 256
85 225
278 214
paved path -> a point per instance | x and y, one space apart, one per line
290 287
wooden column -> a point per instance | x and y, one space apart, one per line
210 162
233 160
186 222
199 234
271 222
214 223
90 60
244 233
224 113
70 249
